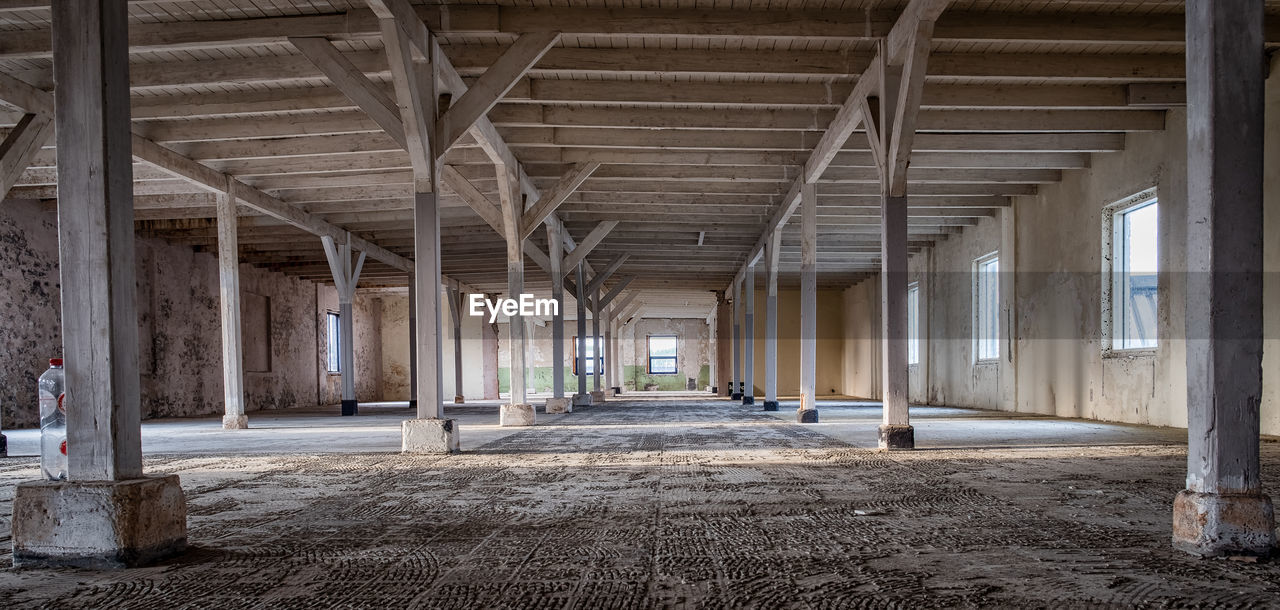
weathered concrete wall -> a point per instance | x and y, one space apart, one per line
861 348
367 343
180 357
829 375
395 351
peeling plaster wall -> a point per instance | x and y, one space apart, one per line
367 338
30 317
179 328
693 358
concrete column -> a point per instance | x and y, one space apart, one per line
345 277
489 355
895 428
582 397
558 403
772 249
233 417
808 412
1223 510
455 316
91 520
749 345
517 411
736 388
413 342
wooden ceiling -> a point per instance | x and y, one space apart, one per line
701 115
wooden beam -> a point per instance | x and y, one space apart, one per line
547 204
598 281
493 85
593 239
354 84
616 290
20 147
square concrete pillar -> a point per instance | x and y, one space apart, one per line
431 436
559 405
516 415
98 524
597 397
581 400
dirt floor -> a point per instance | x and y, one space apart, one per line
679 504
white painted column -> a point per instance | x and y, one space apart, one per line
233 417
1223 510
772 249
555 245
895 430
608 350
426 292
582 398
735 390
95 241
455 316
749 345
345 277
597 350
808 412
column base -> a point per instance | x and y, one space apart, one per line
735 396
559 405
807 416
433 436
235 422
98 524
459 400
617 391
1212 525
581 400
715 390
350 407
597 397
897 437
4 446
770 405
413 404
515 415
748 400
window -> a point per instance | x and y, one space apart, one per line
1132 278
913 323
662 355
335 343
986 307
591 350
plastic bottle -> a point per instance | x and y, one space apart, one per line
53 423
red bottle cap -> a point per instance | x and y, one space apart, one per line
55 362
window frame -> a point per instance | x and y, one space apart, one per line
675 361
599 357
978 302
333 342
1114 273
913 324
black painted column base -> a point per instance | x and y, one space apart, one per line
715 390
770 405
617 391
350 407
897 437
413 404
4 446
807 416
735 396
748 400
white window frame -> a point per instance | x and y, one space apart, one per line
333 336
675 360
1113 282
978 274
913 324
